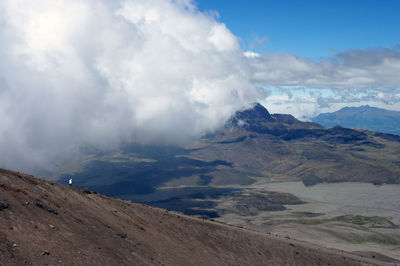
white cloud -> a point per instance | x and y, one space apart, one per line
304 103
222 38
353 77
100 72
355 69
250 54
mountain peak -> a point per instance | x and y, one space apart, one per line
258 119
259 111
252 116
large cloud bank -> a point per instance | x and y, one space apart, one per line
97 73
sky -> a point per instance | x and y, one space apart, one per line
311 28
98 73
315 31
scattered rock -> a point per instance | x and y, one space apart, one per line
46 253
43 207
87 191
122 235
26 203
15 245
52 226
3 206
11 189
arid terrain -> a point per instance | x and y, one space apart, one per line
45 223
349 216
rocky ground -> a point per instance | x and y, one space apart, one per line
45 223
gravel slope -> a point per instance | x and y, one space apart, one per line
45 223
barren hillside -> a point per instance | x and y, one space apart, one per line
45 223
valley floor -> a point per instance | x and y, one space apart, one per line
348 216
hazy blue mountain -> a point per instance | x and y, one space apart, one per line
365 117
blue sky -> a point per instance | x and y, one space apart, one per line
312 28
318 56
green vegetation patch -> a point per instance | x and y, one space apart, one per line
307 214
370 221
311 221
381 239
367 221
257 201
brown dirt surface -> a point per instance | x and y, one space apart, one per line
45 223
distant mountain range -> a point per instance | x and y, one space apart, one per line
365 117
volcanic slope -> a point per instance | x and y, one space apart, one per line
45 223
254 146
262 146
